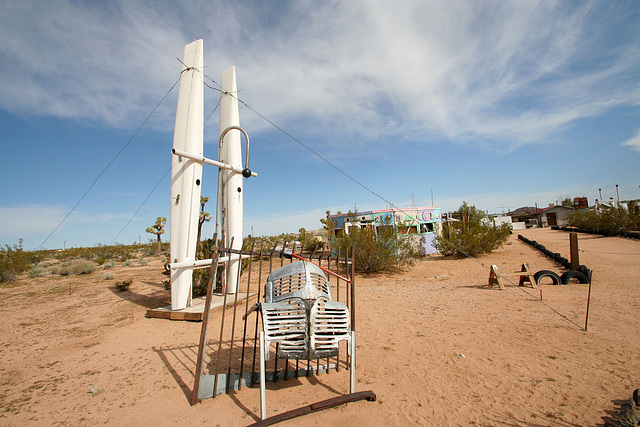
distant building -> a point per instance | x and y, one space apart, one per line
553 215
422 222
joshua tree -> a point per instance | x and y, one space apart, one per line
158 229
204 217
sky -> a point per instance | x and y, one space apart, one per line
501 104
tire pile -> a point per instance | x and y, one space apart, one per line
627 234
583 274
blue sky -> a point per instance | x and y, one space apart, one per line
501 104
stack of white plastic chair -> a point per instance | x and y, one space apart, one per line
300 315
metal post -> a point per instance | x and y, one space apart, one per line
263 388
352 374
586 319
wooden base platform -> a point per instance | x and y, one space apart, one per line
195 312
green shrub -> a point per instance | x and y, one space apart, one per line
610 221
377 253
124 285
15 261
470 235
202 276
313 244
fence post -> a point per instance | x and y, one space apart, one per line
573 246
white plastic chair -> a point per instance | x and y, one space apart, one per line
300 315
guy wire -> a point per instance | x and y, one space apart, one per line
368 189
109 164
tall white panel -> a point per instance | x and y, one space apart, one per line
231 152
186 175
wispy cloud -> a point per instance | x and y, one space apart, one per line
35 222
497 74
633 142
289 222
31 220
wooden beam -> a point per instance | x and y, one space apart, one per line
575 254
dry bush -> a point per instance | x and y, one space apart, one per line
124 285
77 266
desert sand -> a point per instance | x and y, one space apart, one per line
436 345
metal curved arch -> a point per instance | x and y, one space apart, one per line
246 137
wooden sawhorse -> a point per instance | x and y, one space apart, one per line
525 275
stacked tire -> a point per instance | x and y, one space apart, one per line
583 274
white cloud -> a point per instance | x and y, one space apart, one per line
633 142
498 74
285 222
35 223
21 221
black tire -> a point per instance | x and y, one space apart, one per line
547 273
585 270
572 274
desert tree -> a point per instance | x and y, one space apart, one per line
158 229
202 218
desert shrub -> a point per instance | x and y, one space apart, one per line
470 235
377 253
124 285
117 252
108 265
312 245
202 276
127 263
609 221
47 263
144 262
107 276
14 261
38 271
77 266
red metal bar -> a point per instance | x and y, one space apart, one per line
321 267
586 319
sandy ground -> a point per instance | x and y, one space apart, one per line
436 351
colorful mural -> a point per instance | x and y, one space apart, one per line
419 221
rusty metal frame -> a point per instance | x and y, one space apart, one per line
234 365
